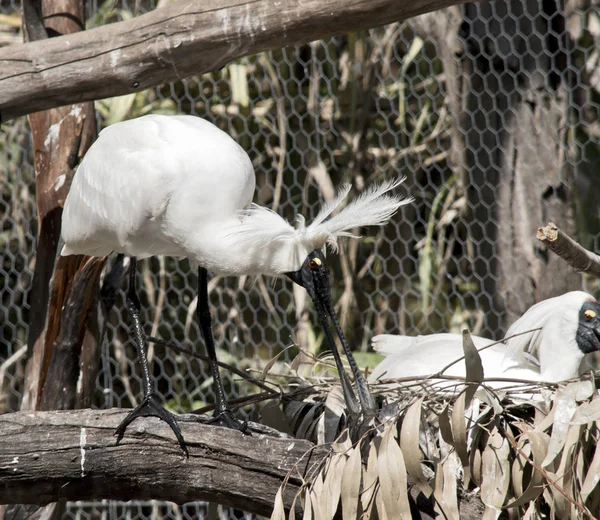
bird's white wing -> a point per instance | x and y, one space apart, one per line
413 356
408 356
146 185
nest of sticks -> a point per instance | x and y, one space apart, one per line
448 448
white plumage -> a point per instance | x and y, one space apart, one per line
553 353
179 186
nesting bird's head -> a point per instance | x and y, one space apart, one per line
588 329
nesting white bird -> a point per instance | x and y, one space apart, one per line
179 186
568 329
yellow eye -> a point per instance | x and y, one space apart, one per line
589 315
314 263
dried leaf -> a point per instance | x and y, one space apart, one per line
445 428
532 513
496 475
592 477
459 432
333 482
278 509
306 423
409 444
445 491
334 409
475 465
394 483
518 467
381 513
308 510
545 423
564 408
581 390
565 475
474 373
587 412
370 479
317 429
270 364
319 499
351 485
538 444
294 411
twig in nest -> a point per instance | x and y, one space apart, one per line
569 250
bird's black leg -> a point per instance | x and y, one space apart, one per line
222 414
150 406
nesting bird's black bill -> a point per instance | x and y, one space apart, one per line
314 277
588 329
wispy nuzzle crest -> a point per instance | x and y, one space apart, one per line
375 206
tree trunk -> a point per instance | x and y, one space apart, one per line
516 86
60 138
507 90
61 320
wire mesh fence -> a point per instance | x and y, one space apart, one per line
355 108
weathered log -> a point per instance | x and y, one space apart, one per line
173 42
73 455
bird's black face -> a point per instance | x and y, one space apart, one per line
588 330
314 277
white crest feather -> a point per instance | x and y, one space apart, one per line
374 207
329 207
257 227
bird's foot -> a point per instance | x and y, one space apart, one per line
151 407
225 418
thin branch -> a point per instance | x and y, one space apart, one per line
570 251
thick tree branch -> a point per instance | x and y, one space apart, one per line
176 41
569 250
72 455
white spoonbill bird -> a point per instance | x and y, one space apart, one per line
569 328
179 186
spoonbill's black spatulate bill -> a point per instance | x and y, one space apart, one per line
179 186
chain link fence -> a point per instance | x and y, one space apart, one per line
356 108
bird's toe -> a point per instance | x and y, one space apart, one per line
151 407
226 419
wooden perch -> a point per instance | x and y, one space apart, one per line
72 455
569 250
176 41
